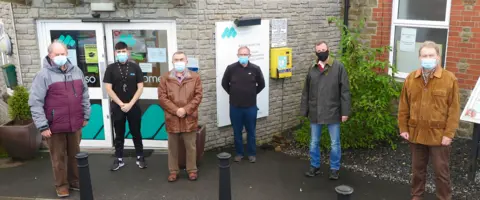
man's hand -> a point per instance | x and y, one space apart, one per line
344 118
126 107
46 133
446 141
85 123
405 135
181 112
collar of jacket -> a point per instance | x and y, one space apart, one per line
328 63
437 73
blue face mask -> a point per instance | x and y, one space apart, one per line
179 66
60 60
243 60
122 57
429 63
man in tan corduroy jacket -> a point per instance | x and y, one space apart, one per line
428 116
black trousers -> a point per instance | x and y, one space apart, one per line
134 117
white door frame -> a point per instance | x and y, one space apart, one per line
149 93
44 40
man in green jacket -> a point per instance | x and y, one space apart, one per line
325 101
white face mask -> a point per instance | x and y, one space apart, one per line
179 66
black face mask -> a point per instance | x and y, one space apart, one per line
322 56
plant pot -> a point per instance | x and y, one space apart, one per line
200 148
21 142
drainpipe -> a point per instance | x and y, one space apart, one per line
346 9
20 75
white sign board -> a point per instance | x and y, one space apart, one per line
407 39
228 38
471 112
279 32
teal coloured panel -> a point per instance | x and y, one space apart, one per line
94 129
153 124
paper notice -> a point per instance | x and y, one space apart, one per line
407 39
92 69
91 55
72 56
157 55
146 67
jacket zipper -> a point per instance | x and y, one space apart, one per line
53 113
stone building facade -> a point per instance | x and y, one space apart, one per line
195 27
463 39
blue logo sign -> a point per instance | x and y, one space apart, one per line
128 39
68 40
132 74
282 62
229 32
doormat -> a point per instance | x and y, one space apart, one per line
133 154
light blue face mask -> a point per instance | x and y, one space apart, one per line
122 57
243 60
179 66
429 63
60 60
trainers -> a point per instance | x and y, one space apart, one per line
334 174
117 164
75 186
62 192
141 162
252 159
313 171
238 158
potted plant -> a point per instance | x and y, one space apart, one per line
19 137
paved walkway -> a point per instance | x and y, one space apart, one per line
275 176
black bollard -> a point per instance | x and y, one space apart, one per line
86 192
344 192
224 192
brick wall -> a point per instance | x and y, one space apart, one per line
195 29
463 56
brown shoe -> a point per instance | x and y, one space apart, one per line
62 192
75 186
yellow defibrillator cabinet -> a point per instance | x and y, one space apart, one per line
281 62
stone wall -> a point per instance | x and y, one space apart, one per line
195 35
7 18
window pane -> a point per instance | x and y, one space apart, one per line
148 48
407 44
432 10
77 43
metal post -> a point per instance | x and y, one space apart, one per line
225 192
344 192
86 192
474 152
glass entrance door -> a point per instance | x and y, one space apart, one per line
151 45
85 43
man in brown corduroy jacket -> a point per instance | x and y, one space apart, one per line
428 116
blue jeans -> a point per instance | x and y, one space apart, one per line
336 151
241 117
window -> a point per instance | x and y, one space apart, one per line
411 26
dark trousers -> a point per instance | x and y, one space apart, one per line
440 156
134 117
241 117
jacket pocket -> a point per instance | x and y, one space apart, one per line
437 124
439 93
412 123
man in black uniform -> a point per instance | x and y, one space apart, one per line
124 84
243 80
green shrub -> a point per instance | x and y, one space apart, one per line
372 121
18 108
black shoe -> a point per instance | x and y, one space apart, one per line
334 174
117 164
141 162
313 171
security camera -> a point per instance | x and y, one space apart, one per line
96 15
